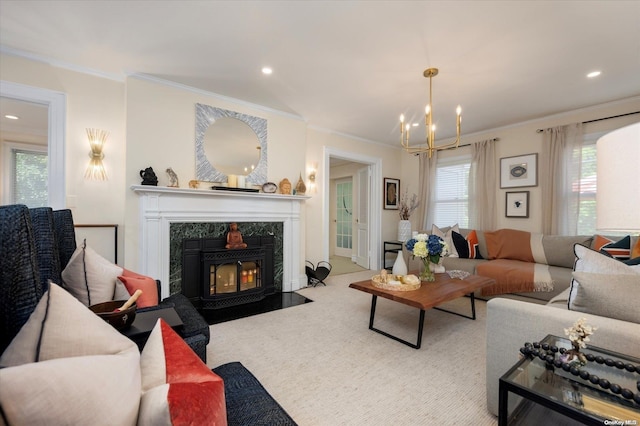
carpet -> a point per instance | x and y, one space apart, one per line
325 367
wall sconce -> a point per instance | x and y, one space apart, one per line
95 169
311 176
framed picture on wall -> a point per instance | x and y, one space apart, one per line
517 204
519 171
391 192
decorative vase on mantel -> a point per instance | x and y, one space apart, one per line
404 230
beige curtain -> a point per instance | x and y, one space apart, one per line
427 189
559 171
482 186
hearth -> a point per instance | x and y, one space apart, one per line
214 277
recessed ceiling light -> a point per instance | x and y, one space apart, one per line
267 70
11 117
593 74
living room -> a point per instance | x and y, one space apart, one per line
151 122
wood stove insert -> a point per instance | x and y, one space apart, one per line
214 277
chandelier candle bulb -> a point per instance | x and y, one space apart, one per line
232 181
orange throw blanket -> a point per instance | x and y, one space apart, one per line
514 276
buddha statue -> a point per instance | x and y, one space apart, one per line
234 238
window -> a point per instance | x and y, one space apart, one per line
586 187
452 191
27 175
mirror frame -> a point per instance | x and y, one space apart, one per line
205 116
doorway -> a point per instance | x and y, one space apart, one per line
366 192
55 102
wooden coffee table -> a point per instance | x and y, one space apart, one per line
429 295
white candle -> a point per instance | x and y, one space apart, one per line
233 181
241 181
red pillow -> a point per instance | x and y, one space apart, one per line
178 388
133 281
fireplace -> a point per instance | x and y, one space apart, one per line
214 277
161 209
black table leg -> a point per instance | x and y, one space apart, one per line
418 343
473 309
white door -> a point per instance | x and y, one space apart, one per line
362 221
344 217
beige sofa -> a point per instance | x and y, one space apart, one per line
553 264
605 294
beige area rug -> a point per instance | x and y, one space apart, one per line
325 367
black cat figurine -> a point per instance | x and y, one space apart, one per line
149 177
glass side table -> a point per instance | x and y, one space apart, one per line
546 390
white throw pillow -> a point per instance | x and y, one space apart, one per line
90 277
68 366
612 296
588 260
447 237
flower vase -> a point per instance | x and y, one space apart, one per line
426 274
404 230
399 266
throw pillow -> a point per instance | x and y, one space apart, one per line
611 296
510 244
467 248
133 281
620 249
90 277
635 251
446 235
68 366
588 260
178 387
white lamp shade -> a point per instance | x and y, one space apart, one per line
618 193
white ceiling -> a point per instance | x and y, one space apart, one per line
353 66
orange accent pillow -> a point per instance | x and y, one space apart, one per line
509 244
178 388
635 251
149 296
472 240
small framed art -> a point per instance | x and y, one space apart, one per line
519 171
517 204
391 192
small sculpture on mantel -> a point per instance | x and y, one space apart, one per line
149 177
301 188
173 178
285 186
234 238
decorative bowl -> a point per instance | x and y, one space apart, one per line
121 319
397 282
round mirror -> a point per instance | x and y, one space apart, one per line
230 143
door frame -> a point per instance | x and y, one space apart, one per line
56 103
375 200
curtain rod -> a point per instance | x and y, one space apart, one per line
466 144
600 119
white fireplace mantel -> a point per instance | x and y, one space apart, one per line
162 206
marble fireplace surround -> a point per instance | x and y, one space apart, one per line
160 207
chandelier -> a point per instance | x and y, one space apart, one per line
430 143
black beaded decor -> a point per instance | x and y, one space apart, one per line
547 353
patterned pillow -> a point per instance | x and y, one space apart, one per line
467 248
620 249
90 277
68 366
588 260
447 237
178 387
